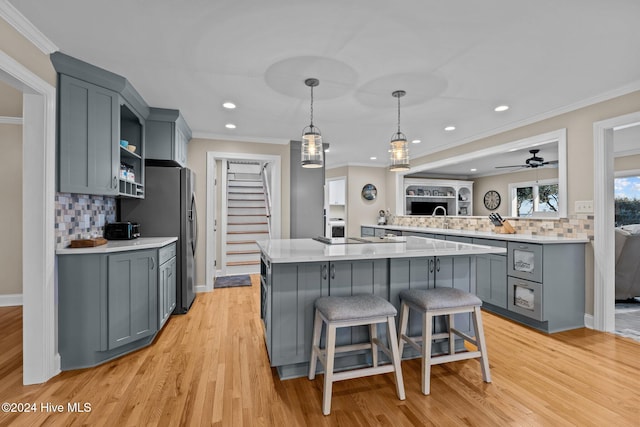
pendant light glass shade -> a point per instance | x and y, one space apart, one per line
312 153
399 147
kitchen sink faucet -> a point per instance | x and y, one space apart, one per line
445 222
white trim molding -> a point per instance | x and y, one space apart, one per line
10 300
6 120
17 20
604 220
40 358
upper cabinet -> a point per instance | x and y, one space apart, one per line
96 111
337 190
167 136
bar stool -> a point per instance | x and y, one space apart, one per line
342 312
442 302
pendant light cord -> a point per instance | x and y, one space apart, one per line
312 107
398 114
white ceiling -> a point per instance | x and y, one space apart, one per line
456 60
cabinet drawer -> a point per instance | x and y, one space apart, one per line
525 297
367 232
166 253
525 261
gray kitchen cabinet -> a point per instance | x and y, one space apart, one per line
132 297
491 274
167 136
88 153
107 305
288 293
97 109
167 283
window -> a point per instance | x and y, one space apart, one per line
627 200
534 199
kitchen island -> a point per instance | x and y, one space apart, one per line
294 273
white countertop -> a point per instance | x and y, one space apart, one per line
308 250
120 246
528 238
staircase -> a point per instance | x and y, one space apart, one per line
246 221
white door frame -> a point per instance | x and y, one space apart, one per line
41 360
276 219
604 219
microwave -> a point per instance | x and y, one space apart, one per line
121 230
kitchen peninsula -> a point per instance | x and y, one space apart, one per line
295 272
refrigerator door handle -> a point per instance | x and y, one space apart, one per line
194 224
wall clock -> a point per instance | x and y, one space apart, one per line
491 200
369 192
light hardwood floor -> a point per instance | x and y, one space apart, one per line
210 367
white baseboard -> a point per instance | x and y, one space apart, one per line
10 300
202 288
588 321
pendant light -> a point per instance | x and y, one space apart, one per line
312 154
399 146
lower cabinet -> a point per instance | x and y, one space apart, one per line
132 297
491 274
110 304
167 283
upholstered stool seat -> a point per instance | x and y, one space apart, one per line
340 312
442 302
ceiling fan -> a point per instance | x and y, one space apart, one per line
532 162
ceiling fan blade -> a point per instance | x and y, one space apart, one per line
551 162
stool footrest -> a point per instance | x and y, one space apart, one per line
436 360
363 372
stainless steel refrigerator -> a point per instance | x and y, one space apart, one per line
169 209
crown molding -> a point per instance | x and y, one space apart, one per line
18 21
218 137
6 120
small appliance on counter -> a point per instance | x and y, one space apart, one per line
382 217
121 230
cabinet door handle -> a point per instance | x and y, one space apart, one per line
153 263
437 264
324 272
115 182
333 271
431 266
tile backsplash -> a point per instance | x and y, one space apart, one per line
79 216
580 226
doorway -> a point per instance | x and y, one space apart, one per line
603 202
40 358
214 190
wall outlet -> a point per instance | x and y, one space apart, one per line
585 206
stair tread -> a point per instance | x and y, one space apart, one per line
247 223
243 263
246 214
242 252
241 242
247 232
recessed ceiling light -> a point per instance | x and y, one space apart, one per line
501 108
450 128
229 105
372 158
416 141
473 170
230 126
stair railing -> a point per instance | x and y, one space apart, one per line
267 195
